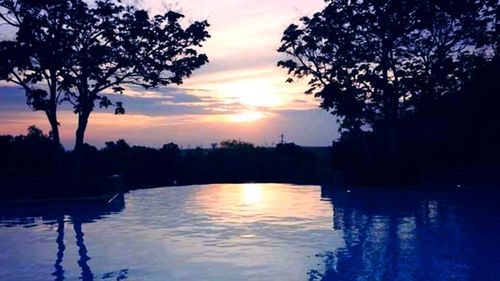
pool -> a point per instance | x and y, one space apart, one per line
256 232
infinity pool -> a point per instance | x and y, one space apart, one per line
256 232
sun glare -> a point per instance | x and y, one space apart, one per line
257 93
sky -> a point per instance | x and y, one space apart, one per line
239 94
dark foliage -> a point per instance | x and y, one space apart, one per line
230 161
458 131
375 61
412 83
73 52
26 155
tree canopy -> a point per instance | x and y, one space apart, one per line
70 51
85 51
38 53
373 61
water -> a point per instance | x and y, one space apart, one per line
256 232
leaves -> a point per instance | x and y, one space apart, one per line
93 48
119 108
373 61
74 52
37 99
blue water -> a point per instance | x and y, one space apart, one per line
256 232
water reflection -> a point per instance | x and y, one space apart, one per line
413 236
214 232
86 272
59 270
277 204
82 250
77 215
252 194
256 232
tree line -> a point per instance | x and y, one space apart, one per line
230 161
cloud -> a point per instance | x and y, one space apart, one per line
305 127
241 83
11 96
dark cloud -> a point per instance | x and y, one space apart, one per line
161 102
11 96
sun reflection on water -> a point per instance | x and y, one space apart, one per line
244 204
251 194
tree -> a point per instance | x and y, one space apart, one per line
26 155
388 69
373 61
98 49
35 56
118 45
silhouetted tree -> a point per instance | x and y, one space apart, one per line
35 56
25 155
170 149
374 61
235 144
118 45
370 61
82 51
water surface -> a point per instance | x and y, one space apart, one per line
256 232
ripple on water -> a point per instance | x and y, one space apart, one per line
253 232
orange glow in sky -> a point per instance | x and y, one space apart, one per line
239 94
248 116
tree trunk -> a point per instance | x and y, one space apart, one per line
391 106
390 96
83 119
54 124
58 149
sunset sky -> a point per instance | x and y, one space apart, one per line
240 94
